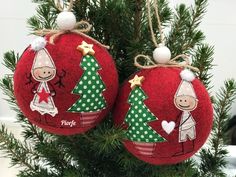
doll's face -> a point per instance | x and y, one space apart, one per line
43 73
185 103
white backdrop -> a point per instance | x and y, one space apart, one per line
219 26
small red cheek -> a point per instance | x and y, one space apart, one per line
192 103
37 73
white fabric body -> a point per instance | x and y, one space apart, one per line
43 107
187 127
188 133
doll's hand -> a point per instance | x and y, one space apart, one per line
53 93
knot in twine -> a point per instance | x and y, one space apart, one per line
148 62
80 28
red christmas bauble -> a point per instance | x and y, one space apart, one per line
67 87
167 116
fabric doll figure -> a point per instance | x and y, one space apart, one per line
186 101
43 70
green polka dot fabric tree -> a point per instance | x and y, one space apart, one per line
90 88
138 117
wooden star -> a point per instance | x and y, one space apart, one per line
136 81
86 48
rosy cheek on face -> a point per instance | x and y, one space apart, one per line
180 101
177 101
36 73
192 103
53 73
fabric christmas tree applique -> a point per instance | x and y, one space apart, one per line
90 88
138 117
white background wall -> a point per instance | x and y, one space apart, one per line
219 26
13 35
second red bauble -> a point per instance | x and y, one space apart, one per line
167 114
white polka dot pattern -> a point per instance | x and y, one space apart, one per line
90 88
138 117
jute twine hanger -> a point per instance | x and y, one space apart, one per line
80 28
149 63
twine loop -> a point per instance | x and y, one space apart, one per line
148 63
80 28
61 8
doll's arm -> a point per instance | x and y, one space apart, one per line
52 90
177 121
34 88
59 83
